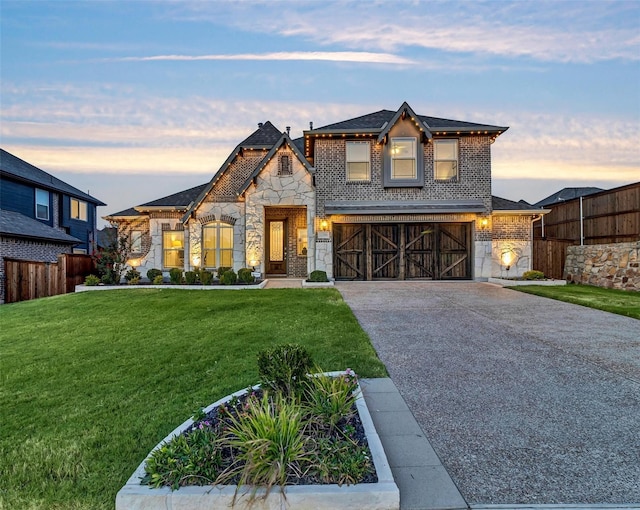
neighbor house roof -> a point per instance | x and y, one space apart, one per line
567 194
180 200
14 224
18 169
504 205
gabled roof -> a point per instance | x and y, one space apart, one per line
127 213
14 224
264 133
404 111
13 166
567 194
180 200
265 136
284 139
504 205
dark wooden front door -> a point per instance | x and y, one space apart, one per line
437 251
277 247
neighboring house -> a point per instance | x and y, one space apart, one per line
566 194
40 215
389 195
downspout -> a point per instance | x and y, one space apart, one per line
541 217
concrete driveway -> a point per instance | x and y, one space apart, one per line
524 399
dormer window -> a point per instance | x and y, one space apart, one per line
445 160
284 167
403 158
358 161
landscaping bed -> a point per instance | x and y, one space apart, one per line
359 477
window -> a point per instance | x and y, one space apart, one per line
284 167
358 161
302 242
217 245
80 251
135 238
173 248
403 158
78 210
445 160
42 204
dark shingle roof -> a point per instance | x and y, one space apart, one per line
180 199
502 204
266 135
106 236
19 169
127 212
18 225
376 121
567 194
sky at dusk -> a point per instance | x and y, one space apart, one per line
136 100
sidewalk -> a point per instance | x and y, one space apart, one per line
423 482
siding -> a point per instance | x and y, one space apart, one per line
21 197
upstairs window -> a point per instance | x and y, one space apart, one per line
285 165
78 210
358 161
403 158
217 245
42 204
173 248
445 160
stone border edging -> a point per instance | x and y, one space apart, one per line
383 495
516 283
89 288
316 285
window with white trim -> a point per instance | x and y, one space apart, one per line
358 161
42 204
217 245
173 248
135 238
445 160
78 210
403 158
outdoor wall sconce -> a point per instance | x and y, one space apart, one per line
324 225
484 222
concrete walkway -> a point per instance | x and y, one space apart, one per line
526 401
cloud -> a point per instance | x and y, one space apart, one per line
547 32
330 56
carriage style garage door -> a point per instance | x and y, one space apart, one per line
437 251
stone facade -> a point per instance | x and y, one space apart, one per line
613 266
511 245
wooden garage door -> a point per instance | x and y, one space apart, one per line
438 251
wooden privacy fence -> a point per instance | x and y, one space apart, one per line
611 216
26 279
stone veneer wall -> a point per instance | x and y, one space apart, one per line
22 249
613 266
511 240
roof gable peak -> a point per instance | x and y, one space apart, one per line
405 111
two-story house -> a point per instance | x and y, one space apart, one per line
40 215
388 195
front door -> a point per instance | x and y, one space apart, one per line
277 247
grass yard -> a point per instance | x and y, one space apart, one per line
622 302
92 381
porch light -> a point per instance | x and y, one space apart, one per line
484 222
507 258
324 225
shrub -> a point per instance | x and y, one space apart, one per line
190 277
190 459
270 442
175 275
111 261
245 276
340 461
206 277
131 274
222 270
153 273
330 398
533 275
284 367
158 280
91 280
228 278
134 281
318 276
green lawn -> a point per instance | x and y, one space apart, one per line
622 302
92 381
